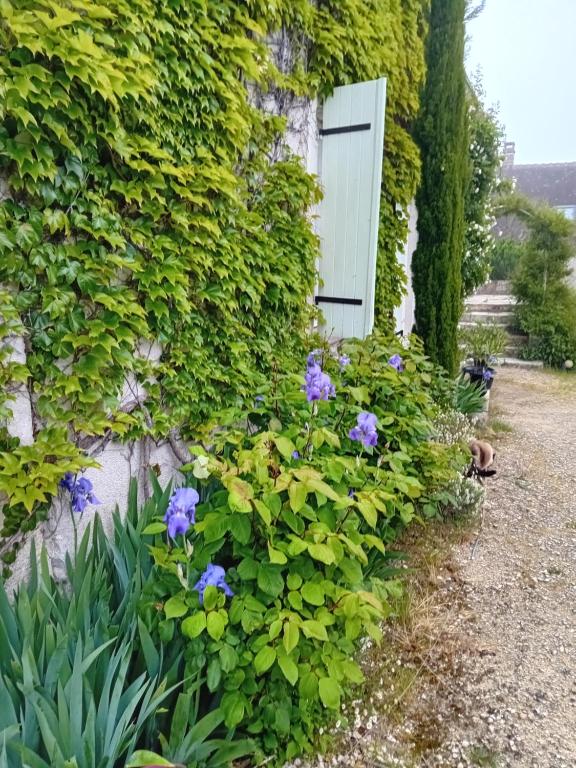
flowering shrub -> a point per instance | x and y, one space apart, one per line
452 427
464 497
275 579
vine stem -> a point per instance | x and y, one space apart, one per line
313 412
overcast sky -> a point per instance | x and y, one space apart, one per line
526 50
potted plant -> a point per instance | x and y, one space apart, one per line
482 343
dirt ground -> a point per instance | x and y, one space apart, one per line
519 583
481 670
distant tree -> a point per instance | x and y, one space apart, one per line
546 304
473 10
443 138
484 153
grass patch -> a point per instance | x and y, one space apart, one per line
483 757
413 677
499 426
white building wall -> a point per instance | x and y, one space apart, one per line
404 314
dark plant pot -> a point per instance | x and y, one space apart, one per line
480 374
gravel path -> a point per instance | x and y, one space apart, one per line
519 577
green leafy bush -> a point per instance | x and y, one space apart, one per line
469 396
482 342
298 515
505 257
546 304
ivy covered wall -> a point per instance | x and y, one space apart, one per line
140 209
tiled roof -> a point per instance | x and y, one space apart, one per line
553 183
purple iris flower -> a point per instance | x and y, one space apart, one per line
80 490
365 429
318 384
343 361
487 375
313 357
295 455
396 362
181 511
67 482
214 576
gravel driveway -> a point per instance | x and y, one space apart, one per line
520 583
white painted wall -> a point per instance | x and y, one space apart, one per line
404 314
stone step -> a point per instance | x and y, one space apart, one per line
514 362
495 309
490 300
507 323
496 318
496 287
515 344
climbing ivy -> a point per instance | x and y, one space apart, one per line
354 40
152 257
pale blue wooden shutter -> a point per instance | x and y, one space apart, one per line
351 151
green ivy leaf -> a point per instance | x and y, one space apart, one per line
285 446
289 668
215 625
297 493
314 629
322 552
174 608
329 691
352 671
270 580
154 528
291 636
233 707
369 513
248 569
263 511
264 659
294 581
193 626
276 556
313 593
228 658
210 598
308 686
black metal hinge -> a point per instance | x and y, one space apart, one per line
337 300
345 129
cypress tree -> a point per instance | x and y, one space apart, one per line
441 133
